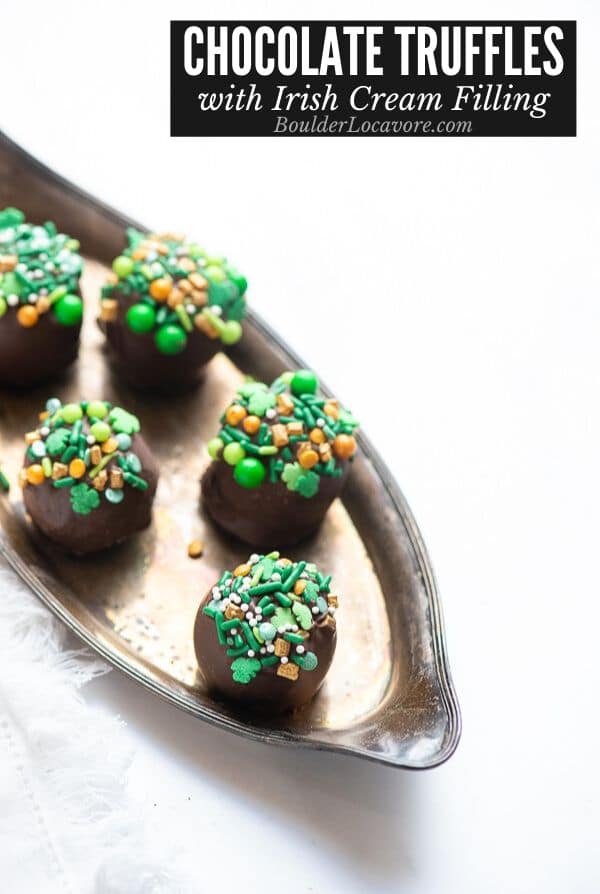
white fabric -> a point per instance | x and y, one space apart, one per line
67 822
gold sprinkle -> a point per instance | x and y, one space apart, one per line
280 435
116 478
233 611
59 470
32 436
282 647
242 570
204 326
285 405
8 262
198 281
195 549
290 670
109 310
299 587
95 454
100 480
295 428
332 601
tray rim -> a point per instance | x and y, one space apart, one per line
438 636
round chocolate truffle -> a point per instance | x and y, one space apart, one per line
265 635
279 460
40 306
88 476
168 309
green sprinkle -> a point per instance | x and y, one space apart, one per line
250 636
269 610
219 618
261 589
4 482
63 482
103 462
135 481
184 318
268 451
269 661
283 599
47 466
235 653
293 638
293 577
69 454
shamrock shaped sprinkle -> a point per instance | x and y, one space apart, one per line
84 498
245 669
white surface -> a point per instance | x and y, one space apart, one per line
463 274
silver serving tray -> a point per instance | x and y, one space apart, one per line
388 697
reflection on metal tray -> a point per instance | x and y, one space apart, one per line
388 696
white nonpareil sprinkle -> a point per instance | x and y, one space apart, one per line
299 649
284 659
315 610
320 423
13 300
44 431
270 648
271 413
253 559
216 310
251 653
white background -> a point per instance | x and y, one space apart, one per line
451 286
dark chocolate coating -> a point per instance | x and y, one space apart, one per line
138 361
51 511
30 356
266 691
269 516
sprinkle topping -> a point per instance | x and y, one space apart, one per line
286 432
177 288
85 447
39 271
265 613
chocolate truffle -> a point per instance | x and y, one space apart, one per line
88 476
40 306
279 460
168 309
265 635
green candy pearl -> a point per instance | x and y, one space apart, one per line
233 453
249 472
3 306
71 413
170 339
141 318
114 496
122 266
69 310
101 431
304 381
97 408
214 447
231 332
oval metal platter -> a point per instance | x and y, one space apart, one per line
388 697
